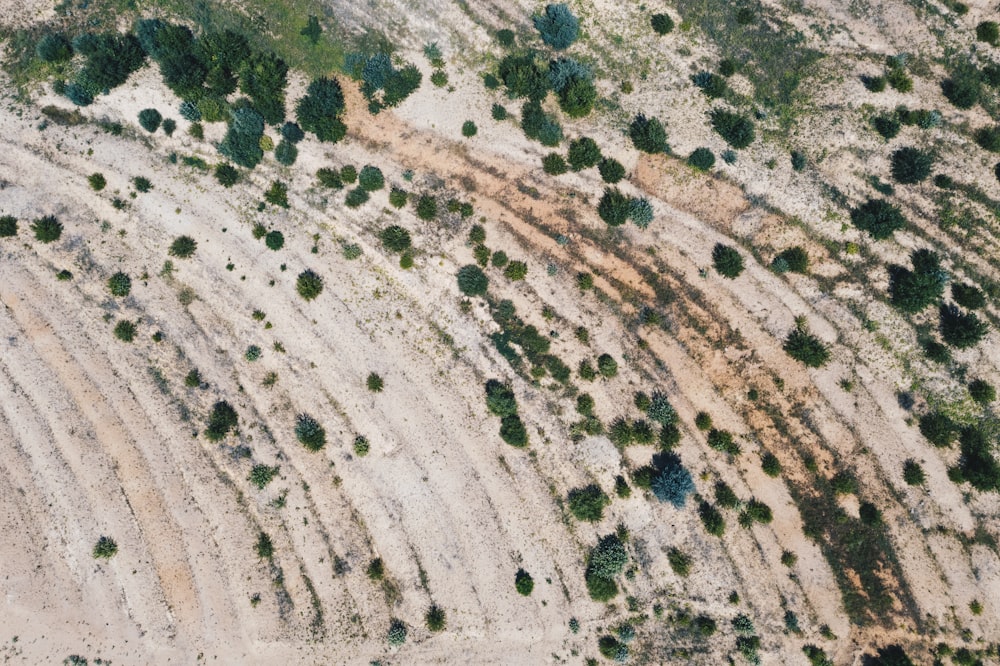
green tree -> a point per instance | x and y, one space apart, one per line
523 76
805 347
910 165
264 547
712 519
587 503
105 548
275 240
963 88
469 129
309 284
321 109
150 119
735 129
661 23
968 296
374 382
472 281
679 561
54 47
557 25
611 170
120 284
583 153
913 473
221 420
370 178
727 261
648 135
523 582
701 159
8 226
982 391
263 77
515 271
989 32
792 259
395 238
286 153
513 432
426 207
577 97
435 618
912 291
613 207
554 164
607 365
309 432
673 483
125 330
226 174
960 329
878 217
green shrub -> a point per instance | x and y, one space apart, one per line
968 296
735 129
558 26
120 284
221 420
500 399
395 238
712 519
661 23
275 240
277 194
426 207
607 559
843 483
469 129
523 76
878 217
142 184
397 632
611 170
252 353
53 47
670 436
807 348
713 85
150 119
515 271
439 78
648 135
673 483
554 164
261 475
727 261
8 226
435 618
910 165
286 153
988 138
125 330
613 207
887 126
540 126
982 391
977 464
505 37
703 421
798 160
309 284
242 142
725 496
513 432
577 96
523 582
899 80
701 159
679 561
587 503
361 446
989 32
913 473
642 477
309 432
498 112
226 174
722 440
963 88
47 229
912 291
374 382
755 511
97 181
607 365
370 178
64 275
105 548
356 197
320 110
583 153
183 247
960 329
169 126
472 281
263 76
375 569
792 259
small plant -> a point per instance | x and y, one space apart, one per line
183 247
982 391
913 473
8 226
498 112
309 285
286 153
120 284
370 178
150 119
703 421
261 475
226 174
277 194
361 446
770 464
64 275
701 159
252 353
97 181
910 165
142 184
472 281
309 432
274 240
607 366
515 271
878 217
661 23
125 330
374 382
735 129
439 78
523 582
395 238
356 198
792 259
554 164
469 129
435 618
264 546
648 135
397 632
558 26
788 558
47 229
679 561
397 197
105 548
712 519
426 208
805 347
976 607
727 261
375 570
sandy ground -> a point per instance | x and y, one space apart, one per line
99 437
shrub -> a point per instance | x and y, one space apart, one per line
673 482
722 440
469 129
989 32
523 77
712 85
613 207
252 353
375 569
648 135
988 138
807 348
976 464
439 78
558 27
899 80
611 170
356 197
435 618
798 160
770 464
277 194
583 153
792 259
912 291
286 153
374 382
523 582
587 503
321 109
913 473
120 284
607 558
515 271
735 129
105 548
540 126
262 78
960 329
150 119
712 519
309 284
242 143
968 296
505 37
54 47
8 226
679 561
982 391
275 240
330 178
642 477
513 432
183 247
843 483
910 165
727 261
370 178
701 159
498 112
47 229
426 208
887 126
703 421
221 420
361 446
607 365
500 398
963 87
661 23
670 436
577 96
169 126
395 238
142 184
397 632
472 281
226 174
125 330
755 511
725 496
97 181
554 164
261 475
878 217
309 432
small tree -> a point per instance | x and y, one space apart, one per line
673 483
150 119
701 159
47 229
613 207
321 109
105 548
277 194
960 329
587 503
54 47
611 170
727 261
523 582
183 247
397 632
120 284
469 129
679 561
286 153
221 420
435 618
370 178
426 207
607 365
97 181
735 129
515 271
309 432
989 32
982 391
912 291
472 281
792 259
661 23
968 296
513 432
910 165
374 382
712 519
558 27
275 240
805 347
583 153
648 135
226 174
395 238
878 217
554 164
309 285
261 475
125 330
913 473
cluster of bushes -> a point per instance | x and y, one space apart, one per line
533 345
878 217
977 465
108 60
794 259
501 401
895 75
616 208
604 562
912 291
382 84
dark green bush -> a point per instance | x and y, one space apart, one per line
261 475
670 436
725 496
843 483
120 284
770 464
607 365
515 271
735 129
329 178
792 259
577 97
469 129
910 165
587 503
241 143
722 440
263 77
435 618
875 84
988 138
912 291
913 473
321 109
611 170
523 76
356 197
554 164
648 135
395 238
105 548
286 153
426 207
701 159
968 296
755 511
274 240
125 330
878 217
142 184
309 285
679 561
727 261
712 519
226 174
703 421
472 281
374 382
673 482
540 126
8 226
989 32
513 432
960 329
583 153
661 23
498 112
506 37
887 126
221 420
613 207
977 464
277 194
805 347
500 398
982 391
558 27
309 432
370 178
798 160
523 582
150 119
713 85
54 47
963 88
47 229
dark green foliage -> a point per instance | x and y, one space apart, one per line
523 76
963 88
397 197
607 559
722 440
469 129
977 464
887 126
608 646
320 110
843 483
395 238
435 618
770 464
264 546
661 23
703 421
613 207
513 432
670 436
516 270
330 178
968 296
286 153
725 496
312 31
660 410
370 178
913 473
150 119
523 582
642 477
727 261
701 159
221 420
263 77
640 211
169 125
125 330
558 27
712 519
498 112
309 284
982 391
277 194
356 197
893 655
292 133
110 59
988 138
577 97
805 347
792 259
261 475
242 141
426 207
936 351
192 379
105 548
348 174
607 365
648 135
798 160
142 184
583 153
910 165
506 37
611 170
226 174
309 432
120 284
374 382
382 84
621 487
376 569
679 561
500 398
8 226
540 126
878 217
621 433
712 85
47 229
912 291
899 79
274 240
735 129
54 47
587 503
472 281
989 32
554 164
755 511
361 446
673 482
960 329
